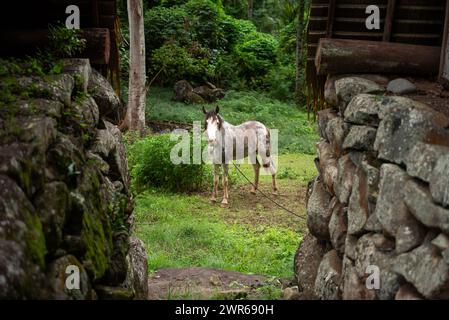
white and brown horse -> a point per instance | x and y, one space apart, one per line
227 142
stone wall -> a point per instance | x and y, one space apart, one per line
64 190
381 200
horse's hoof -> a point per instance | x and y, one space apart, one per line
253 191
224 205
213 200
275 193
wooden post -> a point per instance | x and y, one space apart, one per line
444 61
330 19
388 26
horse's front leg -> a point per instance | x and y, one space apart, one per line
216 180
224 203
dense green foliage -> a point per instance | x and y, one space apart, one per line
209 40
151 166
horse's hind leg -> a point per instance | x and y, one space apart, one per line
216 180
272 170
224 203
256 167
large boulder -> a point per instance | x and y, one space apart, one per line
404 125
422 160
359 208
353 288
391 209
345 173
419 201
360 138
180 90
209 92
348 88
367 254
338 226
318 212
104 95
336 131
323 118
327 165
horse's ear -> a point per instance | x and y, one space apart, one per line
204 110
217 109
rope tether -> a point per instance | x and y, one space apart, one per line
263 194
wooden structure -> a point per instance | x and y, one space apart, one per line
24 27
414 22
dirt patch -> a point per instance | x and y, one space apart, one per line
255 210
204 283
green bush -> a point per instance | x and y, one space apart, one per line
151 166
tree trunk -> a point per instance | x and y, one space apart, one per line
299 42
135 116
337 56
250 9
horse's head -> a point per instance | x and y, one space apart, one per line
213 124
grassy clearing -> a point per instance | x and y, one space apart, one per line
296 132
251 236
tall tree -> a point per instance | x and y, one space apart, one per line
250 9
299 43
135 116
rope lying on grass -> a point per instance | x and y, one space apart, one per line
263 194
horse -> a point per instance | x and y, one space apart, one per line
227 142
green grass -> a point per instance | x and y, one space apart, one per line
296 132
181 230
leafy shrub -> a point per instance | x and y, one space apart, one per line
177 62
163 24
151 166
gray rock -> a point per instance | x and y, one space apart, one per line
80 70
98 161
109 145
350 246
209 93
347 88
51 205
442 242
406 124
439 181
85 114
364 109
329 277
422 159
327 165
336 131
57 275
38 106
137 277
323 118
419 201
318 213
38 131
367 254
425 269
53 87
22 244
66 156
181 89
392 212
338 226
345 173
104 95
359 207
360 138
401 86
